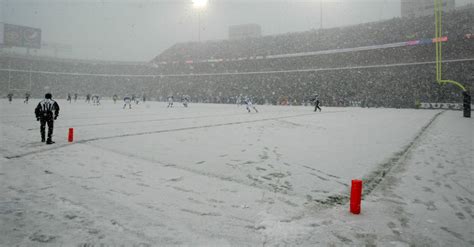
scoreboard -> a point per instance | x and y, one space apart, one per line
19 36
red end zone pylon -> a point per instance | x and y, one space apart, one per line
70 136
356 196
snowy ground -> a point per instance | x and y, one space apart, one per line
217 175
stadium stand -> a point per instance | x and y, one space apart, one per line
381 64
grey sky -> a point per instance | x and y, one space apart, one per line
138 30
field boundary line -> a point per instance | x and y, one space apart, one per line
16 156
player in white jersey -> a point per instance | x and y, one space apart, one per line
249 105
185 100
170 101
96 100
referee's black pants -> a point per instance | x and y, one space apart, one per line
50 123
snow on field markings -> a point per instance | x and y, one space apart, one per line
371 181
375 177
143 121
197 171
86 116
58 146
163 131
201 127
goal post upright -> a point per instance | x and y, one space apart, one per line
438 8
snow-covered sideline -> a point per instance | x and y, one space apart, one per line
217 175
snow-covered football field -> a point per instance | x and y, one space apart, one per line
216 175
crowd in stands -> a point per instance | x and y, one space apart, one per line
455 25
388 77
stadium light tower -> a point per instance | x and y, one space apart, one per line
199 5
